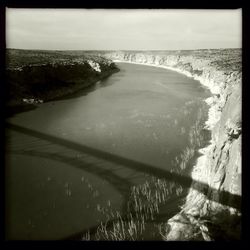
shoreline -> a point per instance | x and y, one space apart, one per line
65 93
211 121
199 171
219 166
209 124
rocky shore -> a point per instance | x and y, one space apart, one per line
216 213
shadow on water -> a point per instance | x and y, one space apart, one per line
12 110
135 165
99 169
84 91
104 82
122 185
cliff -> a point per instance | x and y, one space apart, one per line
214 213
33 77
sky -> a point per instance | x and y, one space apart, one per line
121 29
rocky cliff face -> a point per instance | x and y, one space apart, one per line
215 213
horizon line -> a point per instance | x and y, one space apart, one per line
121 49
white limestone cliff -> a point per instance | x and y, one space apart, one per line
214 213
94 65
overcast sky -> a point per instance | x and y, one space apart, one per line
82 29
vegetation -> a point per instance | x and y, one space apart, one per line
48 75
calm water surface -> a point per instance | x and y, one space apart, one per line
141 113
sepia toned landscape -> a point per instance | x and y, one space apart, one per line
123 145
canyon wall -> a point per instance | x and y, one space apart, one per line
34 77
216 214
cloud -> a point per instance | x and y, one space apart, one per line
122 29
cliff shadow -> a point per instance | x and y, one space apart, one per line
85 90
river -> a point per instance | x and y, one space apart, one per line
59 183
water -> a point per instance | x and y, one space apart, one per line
55 189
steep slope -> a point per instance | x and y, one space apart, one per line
36 76
215 214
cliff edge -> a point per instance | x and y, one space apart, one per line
37 76
214 213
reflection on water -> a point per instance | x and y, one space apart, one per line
146 114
